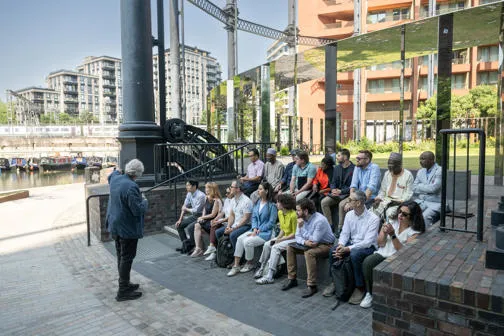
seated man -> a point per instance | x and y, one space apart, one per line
287 174
396 187
191 210
303 174
340 186
314 239
359 238
255 171
239 217
427 188
273 171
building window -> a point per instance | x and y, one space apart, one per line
488 54
395 14
458 81
488 78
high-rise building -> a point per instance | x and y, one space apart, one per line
276 50
202 73
379 88
44 101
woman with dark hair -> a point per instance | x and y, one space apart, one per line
321 187
273 248
264 218
392 237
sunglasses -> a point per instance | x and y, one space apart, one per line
405 214
360 158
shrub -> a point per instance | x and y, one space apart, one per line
284 151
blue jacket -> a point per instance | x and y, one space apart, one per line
126 207
265 219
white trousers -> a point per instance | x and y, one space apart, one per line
247 243
273 253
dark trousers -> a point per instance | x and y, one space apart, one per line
188 222
357 257
126 252
369 263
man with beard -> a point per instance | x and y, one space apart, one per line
427 188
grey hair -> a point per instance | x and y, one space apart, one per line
360 196
134 168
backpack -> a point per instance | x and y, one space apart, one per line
225 252
343 278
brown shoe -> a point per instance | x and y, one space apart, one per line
309 292
356 297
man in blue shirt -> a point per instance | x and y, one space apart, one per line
287 175
125 222
314 239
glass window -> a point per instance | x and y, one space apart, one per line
487 78
458 81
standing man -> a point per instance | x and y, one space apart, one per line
273 171
303 174
191 210
340 187
125 222
287 174
427 188
314 239
255 171
359 239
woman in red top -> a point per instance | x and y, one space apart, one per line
320 187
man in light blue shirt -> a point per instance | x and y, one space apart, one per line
302 176
427 188
314 238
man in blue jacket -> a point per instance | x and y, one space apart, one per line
125 222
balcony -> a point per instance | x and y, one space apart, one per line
337 9
387 4
338 29
109 66
386 96
488 66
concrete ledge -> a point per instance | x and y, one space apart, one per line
14 195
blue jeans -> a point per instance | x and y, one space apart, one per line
234 235
357 256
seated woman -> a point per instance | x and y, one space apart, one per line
321 187
264 218
213 204
273 248
217 226
392 237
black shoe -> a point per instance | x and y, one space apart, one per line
309 292
128 296
133 287
289 284
179 249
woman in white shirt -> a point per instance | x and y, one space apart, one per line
393 235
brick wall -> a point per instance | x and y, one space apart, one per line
438 286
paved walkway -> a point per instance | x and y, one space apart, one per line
51 283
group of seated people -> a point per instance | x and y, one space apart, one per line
375 218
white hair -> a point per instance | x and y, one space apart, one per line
134 168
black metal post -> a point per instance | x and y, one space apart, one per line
161 64
401 88
332 129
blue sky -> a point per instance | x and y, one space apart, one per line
38 37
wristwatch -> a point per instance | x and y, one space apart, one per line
394 237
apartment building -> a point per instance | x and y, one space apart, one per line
202 73
76 92
43 101
276 50
379 98
109 88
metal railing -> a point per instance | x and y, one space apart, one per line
190 172
481 179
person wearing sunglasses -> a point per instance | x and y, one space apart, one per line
393 235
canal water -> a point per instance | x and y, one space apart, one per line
13 180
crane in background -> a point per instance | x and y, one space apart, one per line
21 110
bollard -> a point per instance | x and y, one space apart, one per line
497 216
92 175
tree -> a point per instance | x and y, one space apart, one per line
484 100
3 113
47 119
64 118
427 109
87 118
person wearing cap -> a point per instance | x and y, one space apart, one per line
396 188
287 174
125 222
273 172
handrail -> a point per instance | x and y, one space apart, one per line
159 184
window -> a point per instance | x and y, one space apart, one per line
458 81
488 78
488 54
376 86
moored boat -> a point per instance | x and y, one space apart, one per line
4 164
79 162
94 161
18 163
109 161
55 163
33 164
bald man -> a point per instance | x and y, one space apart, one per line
427 188
396 187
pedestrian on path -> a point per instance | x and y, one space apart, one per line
125 222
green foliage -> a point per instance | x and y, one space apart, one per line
388 147
87 118
284 151
47 119
3 113
427 109
65 118
484 99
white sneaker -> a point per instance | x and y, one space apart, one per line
247 268
211 257
258 273
264 281
367 302
210 249
235 270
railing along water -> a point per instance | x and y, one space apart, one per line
481 178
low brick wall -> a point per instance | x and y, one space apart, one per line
438 286
14 195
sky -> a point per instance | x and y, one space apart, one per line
41 36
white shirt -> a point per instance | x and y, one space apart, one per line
360 231
241 206
226 208
389 249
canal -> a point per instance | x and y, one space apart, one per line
12 180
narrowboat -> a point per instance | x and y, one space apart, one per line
18 163
55 163
94 161
4 164
33 164
109 161
79 162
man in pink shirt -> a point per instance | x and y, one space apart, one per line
255 171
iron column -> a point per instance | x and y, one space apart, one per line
175 60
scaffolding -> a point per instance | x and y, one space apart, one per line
21 111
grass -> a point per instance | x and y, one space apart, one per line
411 160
